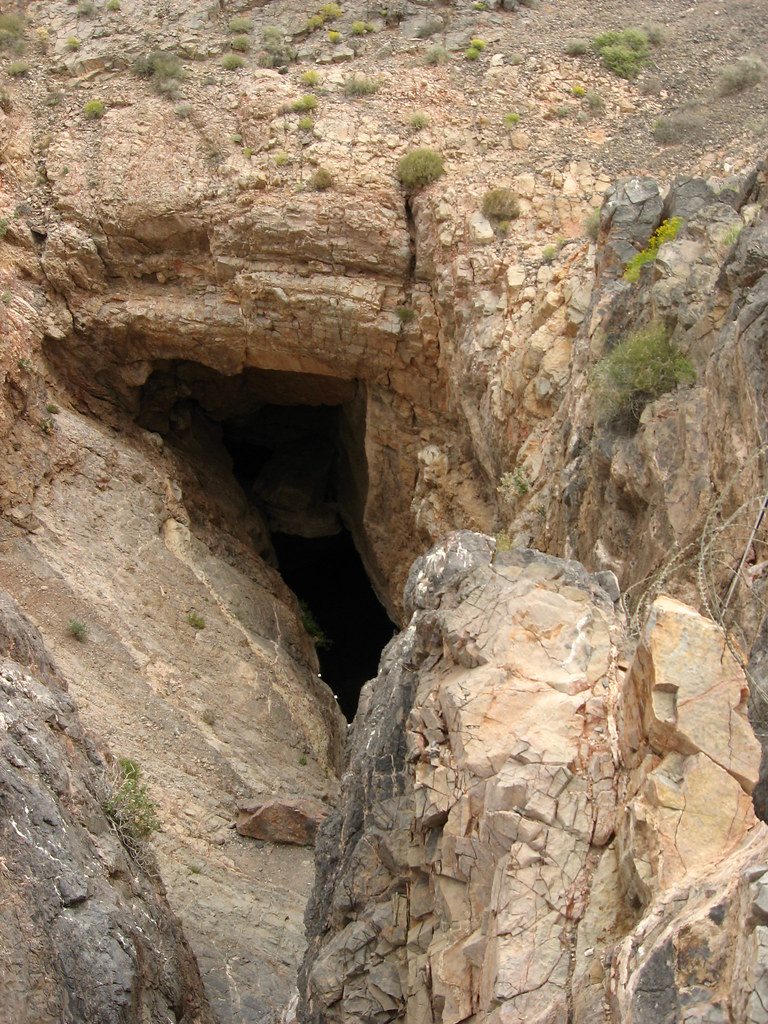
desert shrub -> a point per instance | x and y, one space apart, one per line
241 44
163 69
665 232
578 91
360 85
657 34
471 53
310 77
17 68
314 23
306 123
321 180
594 101
277 51
405 314
358 28
511 119
184 111
500 204
73 43
576 47
418 121
94 109
11 33
420 167
333 36
677 127
86 8
240 25
731 236
592 224
112 5
329 12
640 368
281 158
208 716
436 55
740 76
232 62
479 44
304 103
128 805
548 253
624 53
77 629
196 621
6 104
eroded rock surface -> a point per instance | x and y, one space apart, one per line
86 932
527 833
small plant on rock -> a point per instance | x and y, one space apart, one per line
360 85
310 77
592 224
304 103
405 314
642 367
128 805
321 180
196 621
420 167
500 204
665 232
418 121
576 47
163 69
77 629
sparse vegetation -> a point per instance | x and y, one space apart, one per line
665 232
500 204
281 158
333 36
329 12
640 368
208 716
112 5
128 805
6 104
436 55
471 53
237 26
360 85
163 69
731 236
594 101
17 68
310 78
94 109
73 43
313 627
276 51
514 485
576 47
11 33
77 629
511 119
478 44
418 121
306 123
304 103
358 28
740 76
679 127
86 9
241 44
592 224
232 62
405 314
625 53
420 167
196 621
321 180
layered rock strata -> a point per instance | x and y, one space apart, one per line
527 832
86 932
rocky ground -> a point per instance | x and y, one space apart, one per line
180 224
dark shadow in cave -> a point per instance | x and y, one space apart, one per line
295 450
326 573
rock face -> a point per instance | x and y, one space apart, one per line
527 836
86 933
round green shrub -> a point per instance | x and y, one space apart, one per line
360 85
500 204
358 28
240 43
305 103
17 68
94 109
240 25
420 167
333 36
436 55
624 52
471 53
310 77
232 61
321 180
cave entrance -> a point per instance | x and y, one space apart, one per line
296 445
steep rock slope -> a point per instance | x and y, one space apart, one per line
86 932
528 832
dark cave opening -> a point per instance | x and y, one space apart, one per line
297 448
326 573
